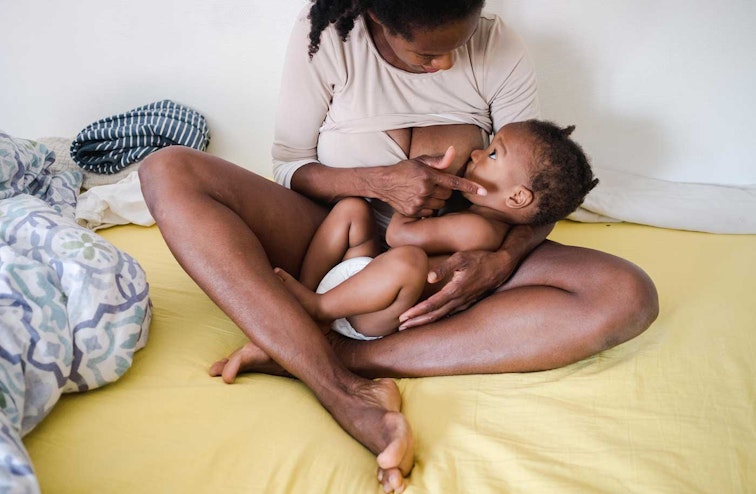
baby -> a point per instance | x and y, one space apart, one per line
533 174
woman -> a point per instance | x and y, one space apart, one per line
359 77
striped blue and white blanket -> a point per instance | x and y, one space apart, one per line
112 143
73 308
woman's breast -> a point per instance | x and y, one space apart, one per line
356 150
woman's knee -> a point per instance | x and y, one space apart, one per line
165 166
616 299
162 171
631 305
643 297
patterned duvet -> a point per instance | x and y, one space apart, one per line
73 308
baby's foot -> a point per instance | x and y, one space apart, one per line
306 297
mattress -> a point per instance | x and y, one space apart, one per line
673 410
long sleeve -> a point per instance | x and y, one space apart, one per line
306 92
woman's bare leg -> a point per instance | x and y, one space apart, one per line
226 226
562 305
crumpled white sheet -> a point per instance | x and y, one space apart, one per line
712 208
113 204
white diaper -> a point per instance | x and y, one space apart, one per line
336 276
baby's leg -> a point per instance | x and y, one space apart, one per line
373 299
395 280
348 231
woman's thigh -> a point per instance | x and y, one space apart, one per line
573 269
180 181
612 297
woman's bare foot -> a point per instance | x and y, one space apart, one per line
371 414
249 358
373 417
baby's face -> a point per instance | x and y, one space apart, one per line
502 166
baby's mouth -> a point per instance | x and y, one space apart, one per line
468 168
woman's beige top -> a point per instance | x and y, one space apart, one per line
336 108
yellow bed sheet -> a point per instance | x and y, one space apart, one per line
671 411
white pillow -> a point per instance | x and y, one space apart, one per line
685 206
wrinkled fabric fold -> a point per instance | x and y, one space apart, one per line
110 144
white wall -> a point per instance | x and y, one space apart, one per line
65 64
665 89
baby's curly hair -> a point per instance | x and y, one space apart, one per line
400 17
563 175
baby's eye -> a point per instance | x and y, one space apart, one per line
492 155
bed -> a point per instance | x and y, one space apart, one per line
673 410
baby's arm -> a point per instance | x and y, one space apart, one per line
446 234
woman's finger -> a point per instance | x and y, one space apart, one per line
432 203
441 193
435 306
428 317
439 162
443 270
459 183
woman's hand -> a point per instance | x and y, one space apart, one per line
470 274
418 186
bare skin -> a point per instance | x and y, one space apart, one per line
227 227
557 305
372 301
348 231
462 343
240 238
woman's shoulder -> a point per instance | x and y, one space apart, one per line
495 35
500 59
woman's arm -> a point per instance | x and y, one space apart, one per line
414 187
519 242
473 274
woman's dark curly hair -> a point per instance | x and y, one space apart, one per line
400 17
563 175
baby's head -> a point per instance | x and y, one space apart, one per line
533 171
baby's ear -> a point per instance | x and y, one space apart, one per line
520 198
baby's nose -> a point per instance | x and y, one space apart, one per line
475 154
